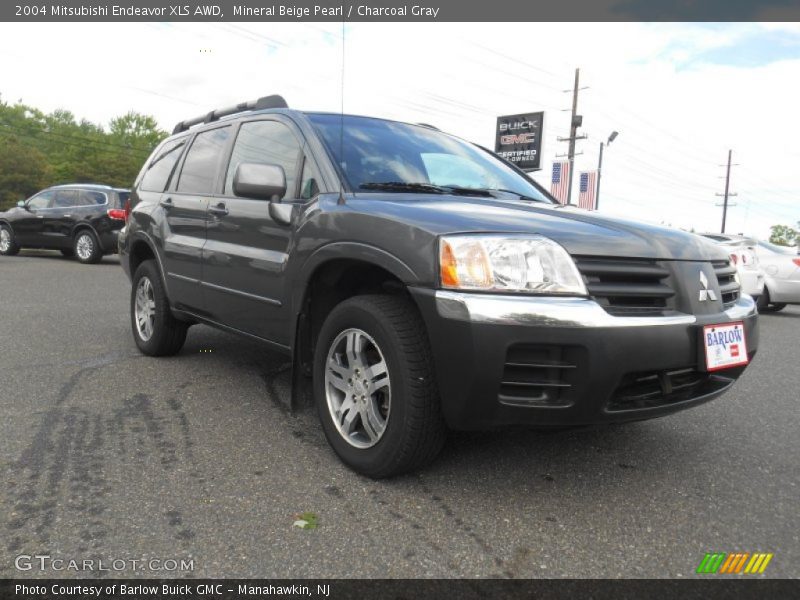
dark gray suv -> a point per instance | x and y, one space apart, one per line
420 282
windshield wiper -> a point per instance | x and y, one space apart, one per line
430 188
401 186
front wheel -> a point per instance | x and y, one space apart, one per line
155 331
8 245
374 386
86 247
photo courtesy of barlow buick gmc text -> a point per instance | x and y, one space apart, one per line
385 300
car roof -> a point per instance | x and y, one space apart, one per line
290 112
90 186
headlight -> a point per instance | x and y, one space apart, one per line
527 264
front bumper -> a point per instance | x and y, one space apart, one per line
514 360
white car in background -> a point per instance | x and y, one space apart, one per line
781 267
742 251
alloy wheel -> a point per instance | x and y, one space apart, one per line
85 246
145 309
357 388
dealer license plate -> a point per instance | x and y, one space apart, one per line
725 346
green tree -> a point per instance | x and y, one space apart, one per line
783 235
24 171
72 151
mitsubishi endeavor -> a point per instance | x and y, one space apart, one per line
420 282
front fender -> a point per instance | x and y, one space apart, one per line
352 251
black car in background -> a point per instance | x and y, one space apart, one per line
79 219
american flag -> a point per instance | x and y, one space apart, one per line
560 181
586 198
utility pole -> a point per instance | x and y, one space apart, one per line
727 193
575 122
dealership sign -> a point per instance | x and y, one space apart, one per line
519 140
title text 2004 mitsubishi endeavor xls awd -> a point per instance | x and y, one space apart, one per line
421 282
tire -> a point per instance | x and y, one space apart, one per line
390 330
86 247
777 306
166 334
67 252
8 245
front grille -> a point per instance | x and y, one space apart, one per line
627 286
726 276
539 375
660 388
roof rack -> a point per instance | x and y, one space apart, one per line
429 126
273 101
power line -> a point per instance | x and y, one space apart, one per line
33 132
81 146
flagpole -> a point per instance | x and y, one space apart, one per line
599 175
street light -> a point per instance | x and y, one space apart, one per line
611 138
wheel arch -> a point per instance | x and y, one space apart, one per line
331 275
141 249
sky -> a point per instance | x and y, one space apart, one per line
680 95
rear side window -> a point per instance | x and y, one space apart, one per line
202 161
91 198
123 197
267 142
66 199
158 172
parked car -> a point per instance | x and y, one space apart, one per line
742 252
421 282
81 220
781 267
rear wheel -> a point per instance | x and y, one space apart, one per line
374 386
8 246
86 247
155 331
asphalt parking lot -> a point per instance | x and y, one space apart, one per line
110 455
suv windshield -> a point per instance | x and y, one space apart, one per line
374 154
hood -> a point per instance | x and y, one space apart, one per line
581 232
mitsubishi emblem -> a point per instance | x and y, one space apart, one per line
705 293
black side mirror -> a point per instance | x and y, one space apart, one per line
259 181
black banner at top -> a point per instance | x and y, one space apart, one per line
399 10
